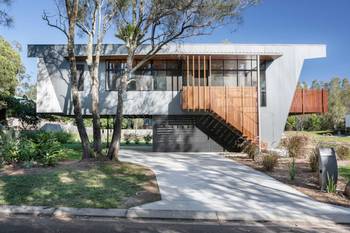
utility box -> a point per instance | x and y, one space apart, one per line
347 120
328 167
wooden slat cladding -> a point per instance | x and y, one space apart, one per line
237 106
309 101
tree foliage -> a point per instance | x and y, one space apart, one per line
337 108
10 68
22 108
315 84
26 88
146 27
5 18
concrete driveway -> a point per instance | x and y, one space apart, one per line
208 182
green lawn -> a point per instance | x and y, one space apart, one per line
73 151
322 136
345 172
95 186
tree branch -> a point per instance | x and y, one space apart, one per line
45 17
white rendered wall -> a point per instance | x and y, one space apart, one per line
282 76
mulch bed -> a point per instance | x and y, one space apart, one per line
305 181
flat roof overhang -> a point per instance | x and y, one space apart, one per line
111 50
183 56
265 51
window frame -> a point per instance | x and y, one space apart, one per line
166 69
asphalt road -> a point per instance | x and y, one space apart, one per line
50 225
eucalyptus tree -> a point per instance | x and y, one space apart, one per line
346 93
66 20
337 109
315 84
95 17
147 26
5 18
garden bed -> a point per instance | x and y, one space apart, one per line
326 137
305 181
79 184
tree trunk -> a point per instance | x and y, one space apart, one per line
94 69
72 14
113 151
95 108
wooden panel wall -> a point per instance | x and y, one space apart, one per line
237 106
309 101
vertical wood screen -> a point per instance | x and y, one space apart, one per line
237 106
309 101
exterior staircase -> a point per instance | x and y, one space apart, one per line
229 114
224 135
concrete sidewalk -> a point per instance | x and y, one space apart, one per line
209 186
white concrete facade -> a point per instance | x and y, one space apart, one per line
282 75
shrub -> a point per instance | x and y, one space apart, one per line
292 170
295 145
42 148
291 123
252 150
309 122
269 161
313 160
147 138
22 108
63 137
27 150
331 185
136 139
343 152
313 122
36 136
9 147
127 138
49 152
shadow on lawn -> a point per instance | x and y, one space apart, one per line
91 185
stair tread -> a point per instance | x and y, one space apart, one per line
230 138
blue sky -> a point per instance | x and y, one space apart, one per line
272 21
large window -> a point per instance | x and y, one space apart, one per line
171 75
263 84
114 70
157 75
224 72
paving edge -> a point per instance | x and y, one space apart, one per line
139 213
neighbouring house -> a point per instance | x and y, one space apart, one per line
201 97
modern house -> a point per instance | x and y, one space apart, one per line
201 97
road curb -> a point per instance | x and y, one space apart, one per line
140 213
172 214
27 210
89 212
